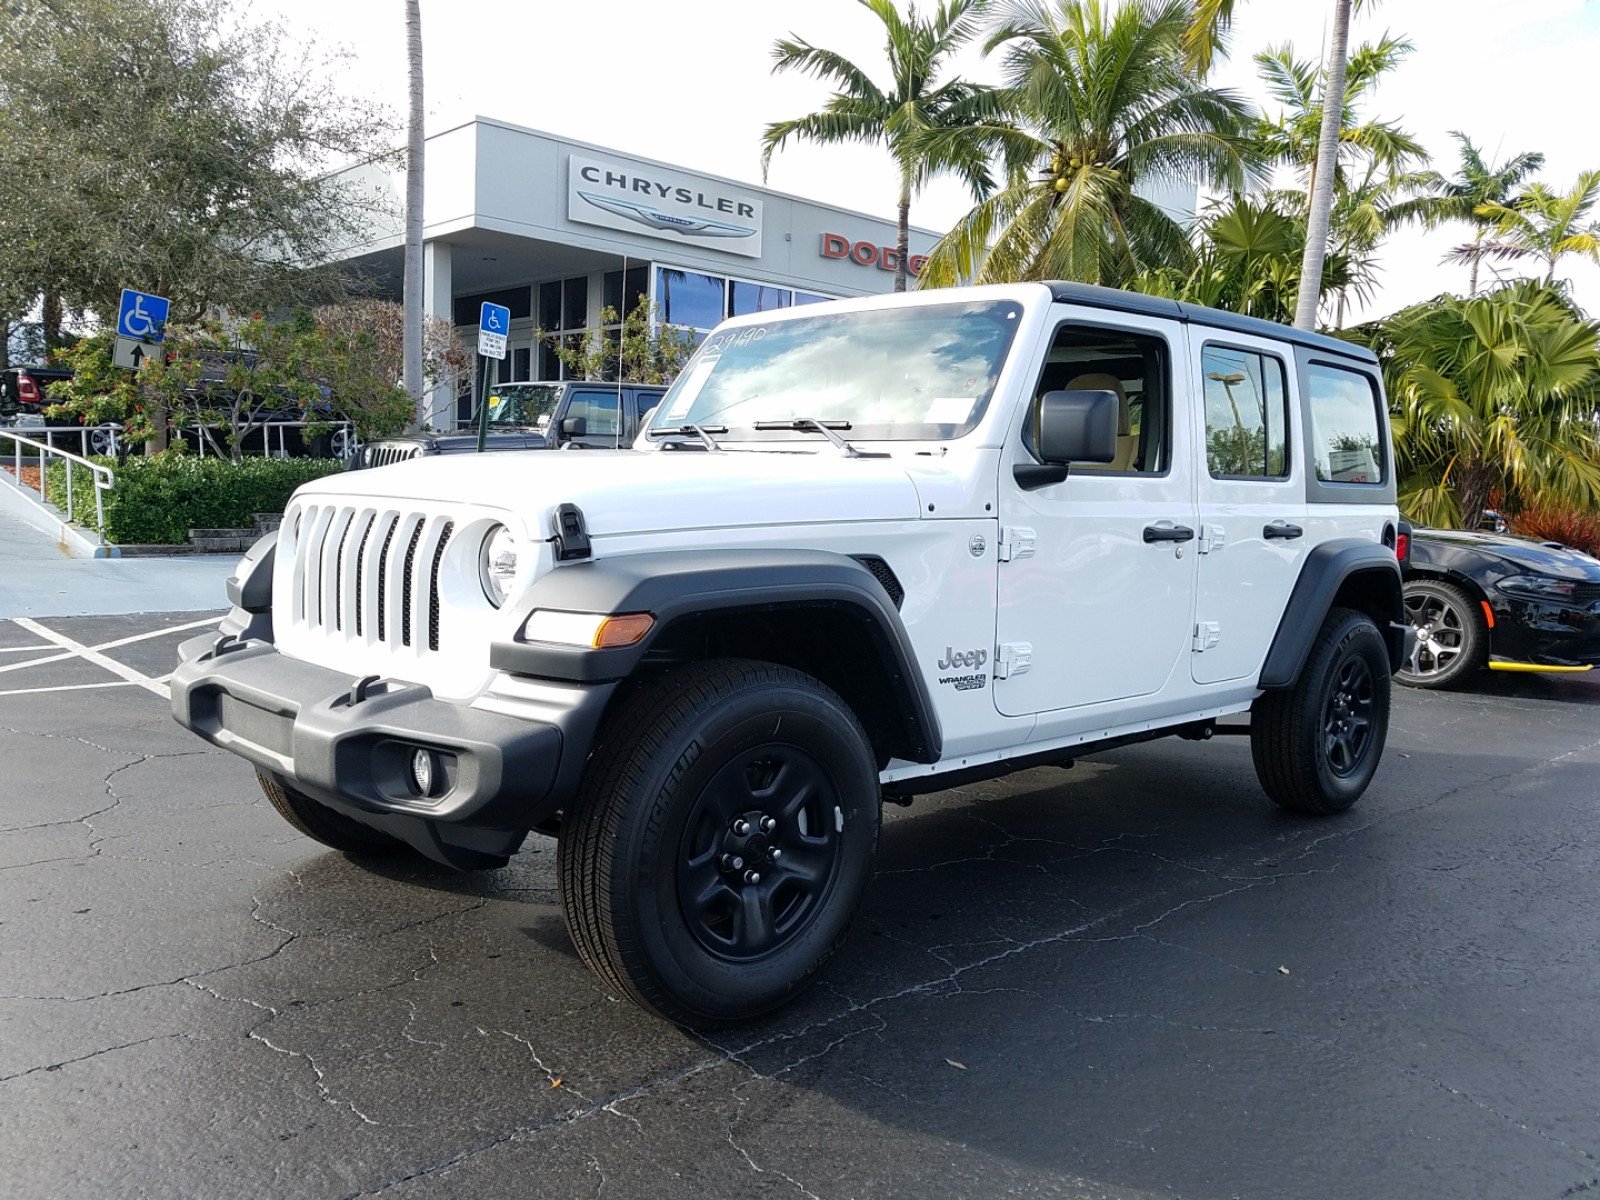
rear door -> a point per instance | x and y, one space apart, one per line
1252 499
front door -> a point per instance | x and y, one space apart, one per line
1097 573
1252 501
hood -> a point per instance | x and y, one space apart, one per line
631 491
1544 558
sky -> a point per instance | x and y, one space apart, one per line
691 84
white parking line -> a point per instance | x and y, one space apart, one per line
69 687
34 662
54 658
90 655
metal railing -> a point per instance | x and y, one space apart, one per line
104 477
343 440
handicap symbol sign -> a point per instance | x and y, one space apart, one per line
495 318
141 316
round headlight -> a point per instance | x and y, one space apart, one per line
497 565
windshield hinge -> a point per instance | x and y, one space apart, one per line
1013 658
1016 542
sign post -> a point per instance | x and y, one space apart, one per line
141 322
494 324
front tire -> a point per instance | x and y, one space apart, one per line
321 824
722 840
1452 636
1316 745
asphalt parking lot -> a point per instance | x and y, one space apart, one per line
1132 979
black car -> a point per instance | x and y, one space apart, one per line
534 416
1481 599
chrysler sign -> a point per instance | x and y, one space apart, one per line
656 202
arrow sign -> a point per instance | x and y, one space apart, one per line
130 352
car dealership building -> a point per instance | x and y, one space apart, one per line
558 230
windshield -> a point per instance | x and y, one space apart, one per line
526 405
905 374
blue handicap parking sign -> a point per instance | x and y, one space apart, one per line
495 318
141 316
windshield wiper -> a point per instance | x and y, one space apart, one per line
703 432
811 424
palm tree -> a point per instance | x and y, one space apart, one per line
1477 183
1547 225
1493 394
902 117
1203 38
412 352
1102 103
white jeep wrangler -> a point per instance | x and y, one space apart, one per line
863 550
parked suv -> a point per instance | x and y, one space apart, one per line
23 392
862 550
533 416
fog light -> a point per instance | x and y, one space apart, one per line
422 771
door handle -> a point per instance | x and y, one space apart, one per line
1282 529
1168 533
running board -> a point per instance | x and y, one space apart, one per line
1502 665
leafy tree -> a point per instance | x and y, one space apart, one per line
644 349
1495 394
383 321
903 117
1101 102
235 376
179 146
1476 185
1547 225
1247 260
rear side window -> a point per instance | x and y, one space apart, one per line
1346 437
1247 414
598 409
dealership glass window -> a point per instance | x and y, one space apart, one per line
755 297
575 302
550 305
1346 434
1247 414
812 298
625 291
690 298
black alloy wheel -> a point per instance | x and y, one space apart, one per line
1347 717
1317 743
721 841
760 851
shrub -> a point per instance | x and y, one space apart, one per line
1579 530
160 499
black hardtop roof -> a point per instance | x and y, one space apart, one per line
1066 292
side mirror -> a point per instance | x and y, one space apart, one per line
574 427
1078 426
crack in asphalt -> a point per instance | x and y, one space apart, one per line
56 1066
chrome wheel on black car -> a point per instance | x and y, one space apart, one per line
1452 636
722 839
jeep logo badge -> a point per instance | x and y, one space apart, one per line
962 658
977 545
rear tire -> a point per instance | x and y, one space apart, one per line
1316 745
1452 636
669 881
321 824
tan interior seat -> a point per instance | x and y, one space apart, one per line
1127 443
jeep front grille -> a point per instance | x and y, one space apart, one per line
369 574
381 454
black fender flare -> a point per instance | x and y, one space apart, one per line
1325 573
672 585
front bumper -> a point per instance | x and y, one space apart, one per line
1556 635
349 744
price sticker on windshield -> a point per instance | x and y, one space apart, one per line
950 410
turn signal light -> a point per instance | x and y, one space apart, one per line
628 629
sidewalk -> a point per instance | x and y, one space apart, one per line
39 579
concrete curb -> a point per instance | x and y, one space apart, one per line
50 520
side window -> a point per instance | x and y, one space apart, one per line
598 409
1247 414
1135 368
1346 438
